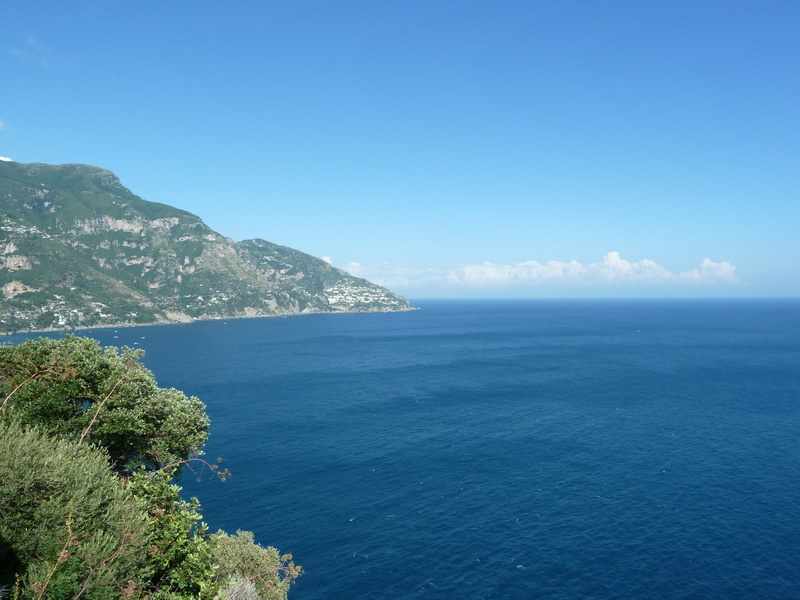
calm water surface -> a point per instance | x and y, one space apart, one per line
564 450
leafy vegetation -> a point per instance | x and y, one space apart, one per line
242 563
106 396
63 513
89 445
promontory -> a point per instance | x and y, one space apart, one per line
78 250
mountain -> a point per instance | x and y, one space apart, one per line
78 249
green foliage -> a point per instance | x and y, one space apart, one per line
74 387
88 447
180 550
242 562
67 520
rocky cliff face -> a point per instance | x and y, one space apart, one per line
78 249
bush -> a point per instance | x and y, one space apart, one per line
76 388
241 560
238 589
180 551
67 519
88 447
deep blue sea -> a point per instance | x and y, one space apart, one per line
557 450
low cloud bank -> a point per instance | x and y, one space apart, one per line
612 269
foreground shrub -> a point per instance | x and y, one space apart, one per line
68 522
180 551
88 447
241 561
74 387
239 589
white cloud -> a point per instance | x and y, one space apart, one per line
612 270
2 124
327 259
397 276
525 272
6 159
353 268
712 271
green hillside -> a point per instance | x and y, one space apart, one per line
78 249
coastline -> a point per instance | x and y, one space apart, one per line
191 320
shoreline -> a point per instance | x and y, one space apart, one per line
126 324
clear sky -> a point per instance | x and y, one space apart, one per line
445 148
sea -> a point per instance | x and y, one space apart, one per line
538 449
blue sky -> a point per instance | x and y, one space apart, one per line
442 148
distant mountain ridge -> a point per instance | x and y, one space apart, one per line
78 249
